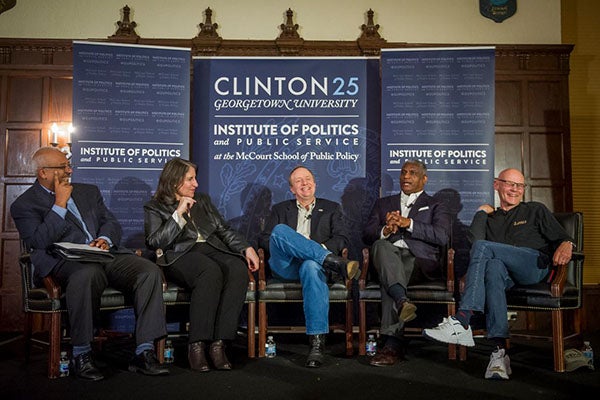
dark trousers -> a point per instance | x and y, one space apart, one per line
218 282
398 265
83 284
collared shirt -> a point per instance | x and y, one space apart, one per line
72 207
304 216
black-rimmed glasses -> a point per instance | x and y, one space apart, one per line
512 184
63 167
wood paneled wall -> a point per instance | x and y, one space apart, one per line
532 113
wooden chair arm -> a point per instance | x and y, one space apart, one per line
450 269
262 280
52 287
251 281
362 279
559 281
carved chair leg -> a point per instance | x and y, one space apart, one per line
362 328
54 341
159 346
251 329
452 347
558 343
348 329
262 328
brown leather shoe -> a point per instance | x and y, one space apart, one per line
386 357
218 357
197 357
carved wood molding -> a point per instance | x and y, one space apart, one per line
370 42
126 31
208 42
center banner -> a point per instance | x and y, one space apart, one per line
255 119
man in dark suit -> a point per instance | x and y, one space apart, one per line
407 232
304 237
54 210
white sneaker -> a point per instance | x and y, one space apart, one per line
450 330
499 366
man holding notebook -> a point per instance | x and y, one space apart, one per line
55 210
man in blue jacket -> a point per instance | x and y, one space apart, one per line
55 210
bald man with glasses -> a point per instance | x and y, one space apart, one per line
518 242
55 210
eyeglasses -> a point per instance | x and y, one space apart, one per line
63 167
512 184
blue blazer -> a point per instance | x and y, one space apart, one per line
431 227
40 227
326 223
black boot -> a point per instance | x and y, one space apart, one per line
315 354
348 269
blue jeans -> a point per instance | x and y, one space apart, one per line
294 257
494 268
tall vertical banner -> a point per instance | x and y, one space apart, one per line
438 107
255 119
131 108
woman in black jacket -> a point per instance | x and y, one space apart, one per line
200 252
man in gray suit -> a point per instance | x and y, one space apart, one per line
407 232
55 210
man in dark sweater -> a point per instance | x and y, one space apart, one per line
516 243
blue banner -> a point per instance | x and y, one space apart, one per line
257 118
438 107
131 114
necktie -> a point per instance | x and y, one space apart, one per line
72 208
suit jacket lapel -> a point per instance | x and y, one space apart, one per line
421 201
315 217
292 214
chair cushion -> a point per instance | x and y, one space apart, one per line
177 295
277 290
113 298
430 292
539 296
38 300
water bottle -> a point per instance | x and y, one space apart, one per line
63 364
270 347
588 353
169 352
371 346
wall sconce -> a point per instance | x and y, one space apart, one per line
60 135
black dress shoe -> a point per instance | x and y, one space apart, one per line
218 357
85 368
315 353
147 364
197 357
348 269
